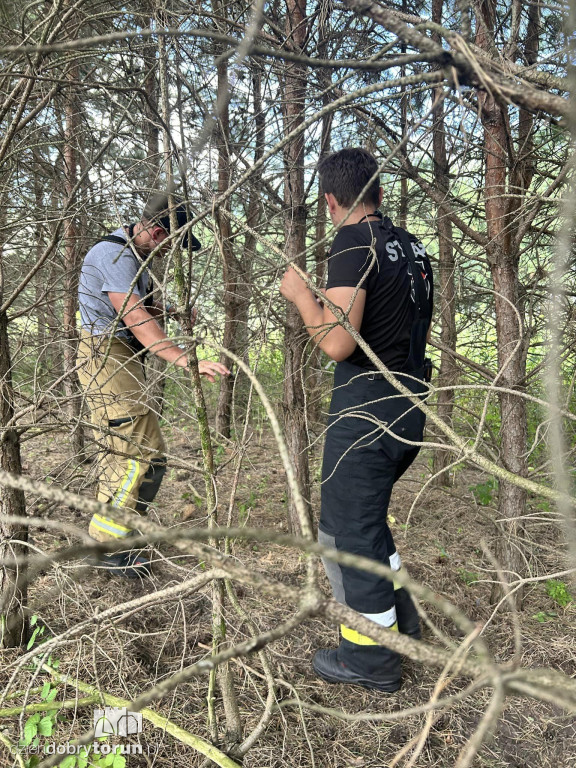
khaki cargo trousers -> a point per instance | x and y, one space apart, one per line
132 462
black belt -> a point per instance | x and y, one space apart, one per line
379 376
424 373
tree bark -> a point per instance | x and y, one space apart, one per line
295 336
253 214
403 207
315 373
72 133
230 267
448 374
510 331
155 366
43 347
13 538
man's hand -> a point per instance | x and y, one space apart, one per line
209 369
292 285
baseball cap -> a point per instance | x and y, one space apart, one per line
157 210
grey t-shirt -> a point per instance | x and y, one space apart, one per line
108 267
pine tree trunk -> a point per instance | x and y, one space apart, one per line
43 348
315 374
510 332
403 209
445 290
155 366
295 336
13 537
71 268
230 267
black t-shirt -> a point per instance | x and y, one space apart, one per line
385 274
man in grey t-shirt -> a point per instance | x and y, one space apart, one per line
109 267
118 314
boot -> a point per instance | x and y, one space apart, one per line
406 614
130 565
370 666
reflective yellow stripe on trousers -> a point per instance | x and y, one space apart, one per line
128 482
109 526
385 619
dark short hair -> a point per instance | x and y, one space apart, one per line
157 211
344 174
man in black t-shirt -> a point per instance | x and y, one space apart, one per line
373 431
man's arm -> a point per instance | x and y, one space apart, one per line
156 309
150 335
320 321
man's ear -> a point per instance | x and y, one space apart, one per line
331 202
158 234
380 196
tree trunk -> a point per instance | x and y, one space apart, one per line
230 267
403 208
244 284
150 116
503 261
42 338
448 374
71 267
13 538
295 336
155 366
315 373
53 275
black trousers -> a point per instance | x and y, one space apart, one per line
364 455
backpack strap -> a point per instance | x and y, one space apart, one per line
113 239
416 363
420 286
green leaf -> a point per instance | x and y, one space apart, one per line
33 620
52 695
544 616
30 730
68 762
46 726
119 761
559 592
33 638
45 690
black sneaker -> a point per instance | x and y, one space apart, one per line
130 565
327 666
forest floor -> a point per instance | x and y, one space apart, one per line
441 542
